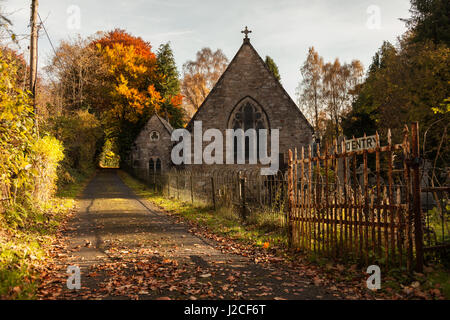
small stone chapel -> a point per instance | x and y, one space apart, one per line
247 95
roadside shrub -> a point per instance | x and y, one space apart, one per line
17 135
48 152
27 163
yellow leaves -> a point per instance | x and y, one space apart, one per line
443 107
441 110
132 72
124 59
50 148
48 151
17 128
122 87
155 97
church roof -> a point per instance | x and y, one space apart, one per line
165 123
246 43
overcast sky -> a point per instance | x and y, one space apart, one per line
282 29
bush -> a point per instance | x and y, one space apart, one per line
48 152
17 134
27 163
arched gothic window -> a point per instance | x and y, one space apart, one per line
155 166
158 166
151 166
248 114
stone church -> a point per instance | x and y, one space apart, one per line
152 147
247 95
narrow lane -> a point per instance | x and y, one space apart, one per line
127 248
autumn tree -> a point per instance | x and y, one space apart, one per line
328 89
339 85
310 89
118 78
200 76
273 67
28 162
13 57
131 92
81 133
77 76
16 130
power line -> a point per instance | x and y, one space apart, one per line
54 51
46 33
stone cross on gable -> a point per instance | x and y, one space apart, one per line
246 32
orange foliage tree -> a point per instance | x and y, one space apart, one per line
134 78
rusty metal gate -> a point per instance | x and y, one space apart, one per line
362 205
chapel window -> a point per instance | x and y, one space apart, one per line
154 136
248 115
151 166
155 166
158 166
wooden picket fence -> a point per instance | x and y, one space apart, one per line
362 205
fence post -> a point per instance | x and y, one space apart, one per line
168 185
178 185
418 232
192 188
290 195
213 193
244 213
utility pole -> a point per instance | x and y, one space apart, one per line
33 53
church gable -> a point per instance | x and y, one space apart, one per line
248 83
153 130
152 147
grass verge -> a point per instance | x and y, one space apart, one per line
23 246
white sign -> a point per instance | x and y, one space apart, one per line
360 143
